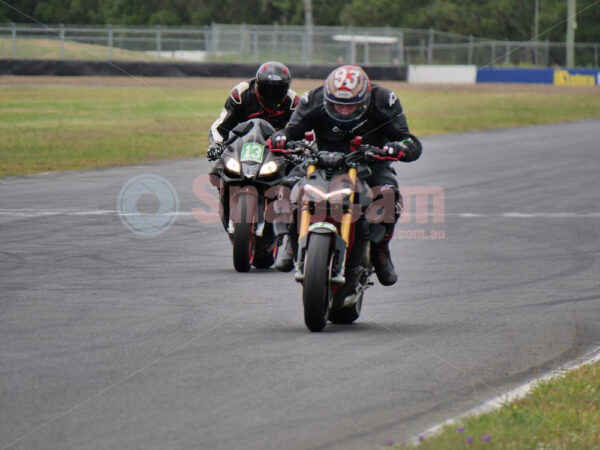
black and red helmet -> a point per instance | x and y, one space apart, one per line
346 86
273 81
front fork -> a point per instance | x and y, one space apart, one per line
228 198
342 240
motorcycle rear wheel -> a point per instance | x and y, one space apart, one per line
347 315
316 291
263 261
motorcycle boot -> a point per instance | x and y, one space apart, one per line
382 262
285 256
217 168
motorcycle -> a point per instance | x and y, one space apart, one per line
249 172
333 234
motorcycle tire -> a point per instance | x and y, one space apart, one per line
347 315
243 238
316 291
263 261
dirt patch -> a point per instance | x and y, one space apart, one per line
298 85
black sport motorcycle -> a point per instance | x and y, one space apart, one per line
249 180
332 232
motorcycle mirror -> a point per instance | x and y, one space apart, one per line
242 129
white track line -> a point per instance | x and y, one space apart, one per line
32 212
72 212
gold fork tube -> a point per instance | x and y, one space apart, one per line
347 217
305 218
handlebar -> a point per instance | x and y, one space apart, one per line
373 153
309 149
296 151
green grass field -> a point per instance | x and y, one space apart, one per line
49 129
66 128
562 413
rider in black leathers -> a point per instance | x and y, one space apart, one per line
349 105
267 96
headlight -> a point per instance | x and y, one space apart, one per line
317 194
269 168
232 165
249 170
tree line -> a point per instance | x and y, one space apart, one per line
494 19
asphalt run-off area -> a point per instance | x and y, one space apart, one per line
111 339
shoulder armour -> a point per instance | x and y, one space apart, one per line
384 98
238 90
293 99
305 97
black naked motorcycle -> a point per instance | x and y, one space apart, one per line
249 179
332 232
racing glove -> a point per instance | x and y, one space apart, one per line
214 151
406 150
277 141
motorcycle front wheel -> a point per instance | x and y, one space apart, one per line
316 292
243 236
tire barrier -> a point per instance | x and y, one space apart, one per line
174 69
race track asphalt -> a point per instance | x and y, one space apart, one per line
110 340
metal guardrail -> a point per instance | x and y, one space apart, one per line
290 44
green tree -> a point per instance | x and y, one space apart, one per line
19 13
164 17
284 12
588 21
125 12
236 11
379 13
327 12
68 11
497 19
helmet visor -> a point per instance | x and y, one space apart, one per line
272 93
346 112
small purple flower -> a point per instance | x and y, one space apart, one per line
421 438
390 442
460 429
469 440
486 438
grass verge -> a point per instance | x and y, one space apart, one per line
67 128
561 413
37 48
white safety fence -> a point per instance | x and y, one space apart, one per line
291 44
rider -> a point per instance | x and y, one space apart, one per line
267 96
349 105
